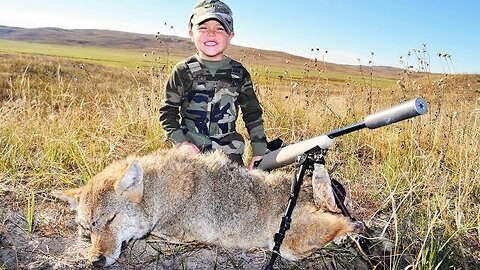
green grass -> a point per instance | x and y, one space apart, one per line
30 213
311 76
96 55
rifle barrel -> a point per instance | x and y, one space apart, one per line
345 130
400 112
287 155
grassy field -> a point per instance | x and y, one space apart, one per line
66 113
137 60
95 55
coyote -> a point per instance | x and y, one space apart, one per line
203 198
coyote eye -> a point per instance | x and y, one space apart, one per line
111 219
83 227
83 231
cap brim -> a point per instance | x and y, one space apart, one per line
208 16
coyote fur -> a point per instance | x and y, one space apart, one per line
204 198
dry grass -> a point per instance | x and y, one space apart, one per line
417 181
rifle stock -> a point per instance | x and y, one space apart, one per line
287 155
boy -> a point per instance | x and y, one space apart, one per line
204 92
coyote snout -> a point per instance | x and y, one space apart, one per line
203 198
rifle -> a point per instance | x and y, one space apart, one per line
312 151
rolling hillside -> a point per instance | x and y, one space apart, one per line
175 45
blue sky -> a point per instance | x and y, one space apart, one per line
349 30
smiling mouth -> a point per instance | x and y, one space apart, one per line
210 43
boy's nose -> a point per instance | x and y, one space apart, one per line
211 33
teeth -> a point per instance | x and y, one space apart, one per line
210 43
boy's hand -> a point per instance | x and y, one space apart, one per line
252 162
189 147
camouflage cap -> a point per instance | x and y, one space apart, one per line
212 9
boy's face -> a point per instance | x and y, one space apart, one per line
210 39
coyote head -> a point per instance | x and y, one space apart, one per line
109 210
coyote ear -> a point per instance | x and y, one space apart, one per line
72 196
130 186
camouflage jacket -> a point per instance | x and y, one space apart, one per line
201 106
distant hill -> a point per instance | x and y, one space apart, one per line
91 37
175 45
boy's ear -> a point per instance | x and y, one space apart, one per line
72 196
190 33
130 186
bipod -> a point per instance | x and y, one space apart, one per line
305 161
364 244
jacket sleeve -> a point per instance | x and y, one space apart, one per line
170 107
252 115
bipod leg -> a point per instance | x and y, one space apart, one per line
363 242
339 195
305 163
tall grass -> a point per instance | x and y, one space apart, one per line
62 122
30 213
418 179
416 182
